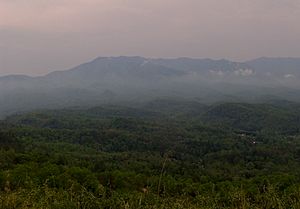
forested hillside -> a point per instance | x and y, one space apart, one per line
161 154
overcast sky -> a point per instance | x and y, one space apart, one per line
38 36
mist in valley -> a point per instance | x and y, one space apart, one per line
137 80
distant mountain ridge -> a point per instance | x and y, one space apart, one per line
106 64
136 79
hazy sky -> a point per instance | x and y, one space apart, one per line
38 36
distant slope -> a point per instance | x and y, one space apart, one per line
276 66
113 80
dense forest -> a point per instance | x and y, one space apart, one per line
159 154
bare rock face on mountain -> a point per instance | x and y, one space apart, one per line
137 79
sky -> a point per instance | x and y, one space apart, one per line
40 36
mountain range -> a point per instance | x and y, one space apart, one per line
136 80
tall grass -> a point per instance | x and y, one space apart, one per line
50 198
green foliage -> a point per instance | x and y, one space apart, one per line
185 156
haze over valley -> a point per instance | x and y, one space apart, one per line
134 80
